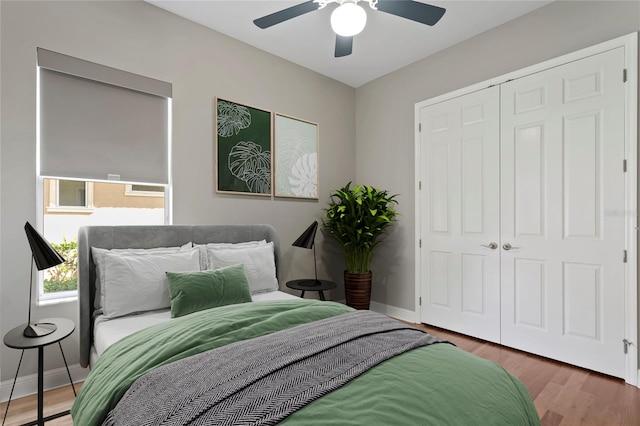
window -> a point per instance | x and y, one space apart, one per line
103 144
72 193
144 191
68 195
68 210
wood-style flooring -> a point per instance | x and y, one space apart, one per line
562 394
24 410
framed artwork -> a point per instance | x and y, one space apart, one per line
242 149
296 158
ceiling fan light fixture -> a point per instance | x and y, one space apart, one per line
348 19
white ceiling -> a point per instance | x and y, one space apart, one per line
386 44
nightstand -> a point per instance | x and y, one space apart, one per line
15 339
311 284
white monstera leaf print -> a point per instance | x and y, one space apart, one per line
304 176
249 163
232 118
292 145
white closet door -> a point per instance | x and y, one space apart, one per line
460 214
562 197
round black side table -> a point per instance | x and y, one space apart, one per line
311 284
15 339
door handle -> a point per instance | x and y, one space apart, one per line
508 247
491 245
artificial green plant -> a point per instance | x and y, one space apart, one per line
357 218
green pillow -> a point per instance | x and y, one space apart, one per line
198 290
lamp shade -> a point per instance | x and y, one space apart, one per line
306 240
44 255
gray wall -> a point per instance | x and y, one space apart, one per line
385 108
201 64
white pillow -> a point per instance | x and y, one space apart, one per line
235 245
136 283
98 253
259 264
204 262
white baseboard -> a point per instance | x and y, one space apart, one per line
28 385
392 311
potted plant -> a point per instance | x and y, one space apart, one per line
357 218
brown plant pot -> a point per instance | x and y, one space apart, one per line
357 288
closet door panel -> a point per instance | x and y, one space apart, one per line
529 181
460 215
562 150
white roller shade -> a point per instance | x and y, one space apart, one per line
99 123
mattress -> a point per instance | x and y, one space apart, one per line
108 331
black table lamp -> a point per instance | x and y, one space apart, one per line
307 240
45 257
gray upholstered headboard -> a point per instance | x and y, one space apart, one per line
110 237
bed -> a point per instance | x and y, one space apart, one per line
257 355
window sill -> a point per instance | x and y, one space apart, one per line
57 300
80 210
144 194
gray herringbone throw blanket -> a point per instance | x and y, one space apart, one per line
261 381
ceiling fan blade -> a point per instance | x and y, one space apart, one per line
414 10
344 46
286 14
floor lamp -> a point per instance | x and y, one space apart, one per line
307 240
44 256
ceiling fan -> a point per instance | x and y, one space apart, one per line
349 18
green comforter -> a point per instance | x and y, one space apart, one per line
438 384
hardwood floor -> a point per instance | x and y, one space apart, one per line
23 410
562 394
